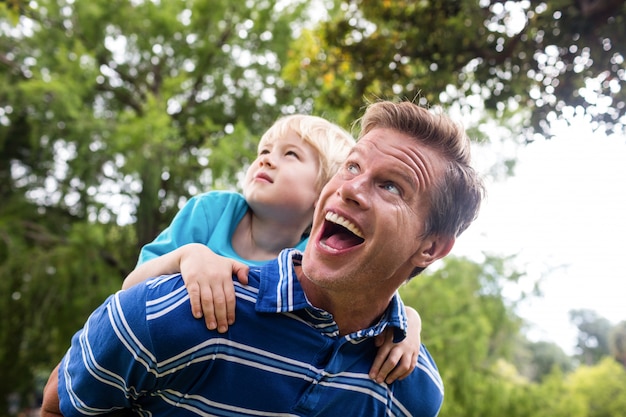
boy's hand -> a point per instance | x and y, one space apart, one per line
209 281
396 361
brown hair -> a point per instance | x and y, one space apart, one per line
455 200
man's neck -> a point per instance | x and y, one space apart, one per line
352 312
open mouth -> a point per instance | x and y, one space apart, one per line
339 233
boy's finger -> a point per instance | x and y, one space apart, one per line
229 291
207 308
241 271
194 299
219 309
386 370
375 369
403 369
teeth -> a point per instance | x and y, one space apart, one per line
337 219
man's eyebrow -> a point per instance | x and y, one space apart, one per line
409 179
397 172
354 151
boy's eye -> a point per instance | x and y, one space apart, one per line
291 153
264 151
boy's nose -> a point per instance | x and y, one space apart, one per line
266 159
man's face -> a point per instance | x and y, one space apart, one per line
370 216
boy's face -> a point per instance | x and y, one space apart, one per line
283 178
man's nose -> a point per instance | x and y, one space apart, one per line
355 190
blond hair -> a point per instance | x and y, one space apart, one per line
331 142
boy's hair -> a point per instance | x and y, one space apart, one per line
331 142
455 199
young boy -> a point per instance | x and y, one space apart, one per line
231 232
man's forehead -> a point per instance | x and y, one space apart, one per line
384 140
401 153
372 140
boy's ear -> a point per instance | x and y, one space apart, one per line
431 249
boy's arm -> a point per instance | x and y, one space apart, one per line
397 360
163 265
207 276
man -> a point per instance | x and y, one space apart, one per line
304 338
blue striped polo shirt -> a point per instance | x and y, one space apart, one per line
142 349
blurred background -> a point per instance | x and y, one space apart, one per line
114 112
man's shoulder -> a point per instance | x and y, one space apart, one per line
426 380
155 295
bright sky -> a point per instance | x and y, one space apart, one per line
564 214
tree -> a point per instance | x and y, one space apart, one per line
593 335
536 360
555 399
470 328
143 95
602 387
112 113
49 286
617 343
528 62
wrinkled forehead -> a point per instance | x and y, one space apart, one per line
391 150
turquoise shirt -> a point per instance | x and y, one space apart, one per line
210 219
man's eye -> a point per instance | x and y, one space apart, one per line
352 168
392 188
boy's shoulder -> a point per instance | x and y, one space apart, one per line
217 199
219 195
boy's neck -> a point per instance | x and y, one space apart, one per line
262 239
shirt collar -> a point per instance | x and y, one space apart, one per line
280 291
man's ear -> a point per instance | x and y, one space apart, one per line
431 249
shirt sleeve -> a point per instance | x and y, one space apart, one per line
110 361
191 224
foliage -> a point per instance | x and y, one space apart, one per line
473 334
144 98
602 388
555 399
112 113
55 273
527 62
593 336
538 359
468 327
617 342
